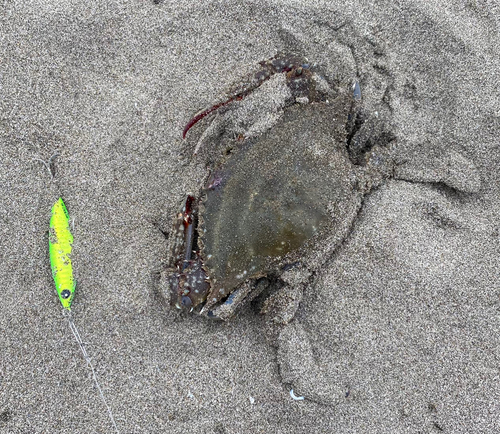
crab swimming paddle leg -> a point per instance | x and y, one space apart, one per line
60 244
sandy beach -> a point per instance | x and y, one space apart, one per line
400 331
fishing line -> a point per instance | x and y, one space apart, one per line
79 340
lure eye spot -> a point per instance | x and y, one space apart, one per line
65 294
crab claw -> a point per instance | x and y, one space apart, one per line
190 287
188 284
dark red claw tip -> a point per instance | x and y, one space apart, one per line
201 115
189 125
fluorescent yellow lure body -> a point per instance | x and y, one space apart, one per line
60 244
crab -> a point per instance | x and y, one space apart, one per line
282 196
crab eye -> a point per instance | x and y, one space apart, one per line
186 301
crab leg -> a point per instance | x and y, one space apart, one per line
189 282
270 67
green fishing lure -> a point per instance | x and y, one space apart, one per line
60 243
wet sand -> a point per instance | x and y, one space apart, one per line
401 331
